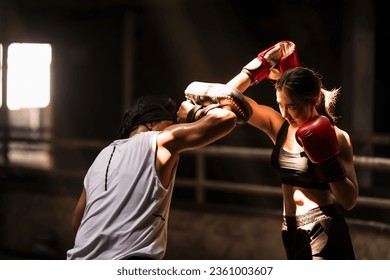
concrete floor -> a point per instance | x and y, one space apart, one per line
232 233
223 235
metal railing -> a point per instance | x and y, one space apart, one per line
201 183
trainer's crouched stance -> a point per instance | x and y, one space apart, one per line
123 210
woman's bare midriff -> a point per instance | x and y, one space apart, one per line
298 201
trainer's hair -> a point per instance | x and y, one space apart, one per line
304 86
146 109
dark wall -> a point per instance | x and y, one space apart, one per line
174 43
382 61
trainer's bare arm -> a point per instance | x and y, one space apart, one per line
187 136
79 211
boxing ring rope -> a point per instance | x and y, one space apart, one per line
201 184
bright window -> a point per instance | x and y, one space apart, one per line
28 76
28 102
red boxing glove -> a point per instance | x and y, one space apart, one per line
272 62
319 140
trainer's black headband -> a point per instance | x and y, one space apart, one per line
144 110
152 115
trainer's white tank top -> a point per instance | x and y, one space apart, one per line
127 207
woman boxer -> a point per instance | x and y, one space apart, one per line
312 156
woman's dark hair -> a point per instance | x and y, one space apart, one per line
304 86
146 109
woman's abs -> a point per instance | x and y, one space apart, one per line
298 201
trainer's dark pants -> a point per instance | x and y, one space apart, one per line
321 234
